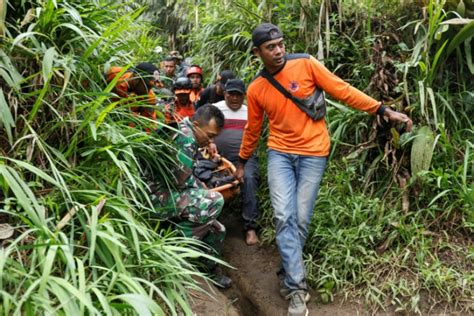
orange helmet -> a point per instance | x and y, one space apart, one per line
194 69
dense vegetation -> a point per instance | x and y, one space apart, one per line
395 217
83 241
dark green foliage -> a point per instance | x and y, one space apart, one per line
386 233
383 232
86 241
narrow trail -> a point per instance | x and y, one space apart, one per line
255 289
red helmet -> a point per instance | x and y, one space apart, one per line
194 69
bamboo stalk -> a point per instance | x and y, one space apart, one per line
66 218
73 211
3 14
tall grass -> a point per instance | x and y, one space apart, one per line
85 240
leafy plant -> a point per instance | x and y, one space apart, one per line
86 239
422 150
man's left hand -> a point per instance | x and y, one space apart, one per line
395 116
239 172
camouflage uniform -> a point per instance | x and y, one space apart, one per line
191 206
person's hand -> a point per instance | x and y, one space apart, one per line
202 184
395 116
239 172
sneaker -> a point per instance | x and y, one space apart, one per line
297 305
285 293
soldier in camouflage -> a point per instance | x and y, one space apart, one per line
191 205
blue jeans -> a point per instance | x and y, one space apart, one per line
293 181
248 192
250 211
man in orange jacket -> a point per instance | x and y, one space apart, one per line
182 107
137 82
298 146
194 73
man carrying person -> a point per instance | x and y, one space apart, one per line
215 92
298 146
228 144
194 73
189 204
182 106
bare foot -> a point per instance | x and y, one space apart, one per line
251 238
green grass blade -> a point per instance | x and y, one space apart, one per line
74 293
465 33
48 60
36 171
142 304
6 118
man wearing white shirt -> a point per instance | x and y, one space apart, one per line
228 143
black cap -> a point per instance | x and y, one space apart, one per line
235 85
224 76
265 32
149 72
182 85
146 68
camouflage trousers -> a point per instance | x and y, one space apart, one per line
195 211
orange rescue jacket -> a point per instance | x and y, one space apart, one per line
291 130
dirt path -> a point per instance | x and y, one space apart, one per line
216 304
256 290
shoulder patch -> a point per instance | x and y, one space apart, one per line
297 56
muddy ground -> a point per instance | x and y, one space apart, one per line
255 290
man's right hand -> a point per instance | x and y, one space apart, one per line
239 173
